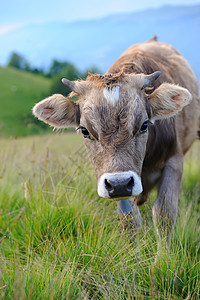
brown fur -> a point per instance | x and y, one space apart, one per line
108 80
168 139
115 143
163 140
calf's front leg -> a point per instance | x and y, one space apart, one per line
165 207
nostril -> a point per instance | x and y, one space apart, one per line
119 185
108 186
130 184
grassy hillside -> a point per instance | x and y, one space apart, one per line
19 91
59 240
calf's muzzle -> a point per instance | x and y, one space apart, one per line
120 188
119 185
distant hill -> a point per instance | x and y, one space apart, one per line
100 42
19 91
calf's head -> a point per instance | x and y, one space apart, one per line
113 113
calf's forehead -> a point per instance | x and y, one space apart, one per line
113 106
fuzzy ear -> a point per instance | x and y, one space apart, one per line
57 111
167 100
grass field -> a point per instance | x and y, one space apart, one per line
19 91
59 240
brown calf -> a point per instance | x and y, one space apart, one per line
138 120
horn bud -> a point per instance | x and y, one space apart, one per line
148 79
79 87
69 84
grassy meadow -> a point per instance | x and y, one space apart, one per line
59 240
19 91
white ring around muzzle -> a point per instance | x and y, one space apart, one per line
119 176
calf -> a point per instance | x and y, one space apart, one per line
137 120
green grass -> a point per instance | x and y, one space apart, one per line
59 240
19 91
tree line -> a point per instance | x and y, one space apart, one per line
57 70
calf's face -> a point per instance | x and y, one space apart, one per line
113 113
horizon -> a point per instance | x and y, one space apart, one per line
92 42
19 16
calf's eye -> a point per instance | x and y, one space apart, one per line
85 132
144 127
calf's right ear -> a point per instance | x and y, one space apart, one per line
57 111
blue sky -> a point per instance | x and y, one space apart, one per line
19 12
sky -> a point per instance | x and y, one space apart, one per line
16 13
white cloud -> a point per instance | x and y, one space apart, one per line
7 28
65 10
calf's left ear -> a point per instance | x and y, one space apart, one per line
57 111
167 100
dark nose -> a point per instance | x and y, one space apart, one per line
122 188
